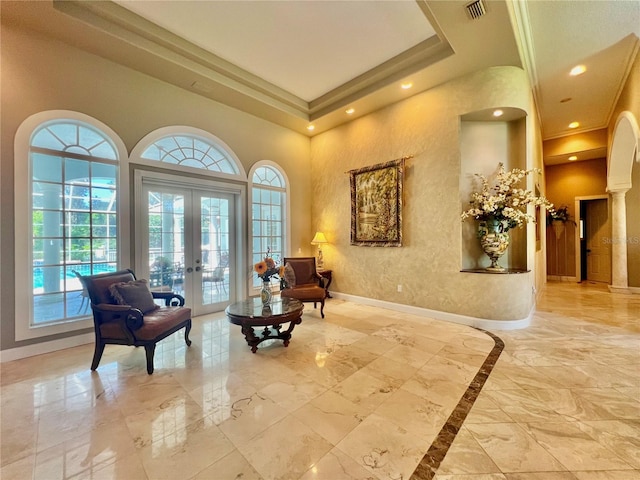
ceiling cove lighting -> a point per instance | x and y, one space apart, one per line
573 158
311 128
497 113
350 111
574 124
406 86
577 70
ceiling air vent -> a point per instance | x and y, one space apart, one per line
476 9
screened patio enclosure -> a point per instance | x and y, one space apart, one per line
74 171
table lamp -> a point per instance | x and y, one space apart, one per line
318 240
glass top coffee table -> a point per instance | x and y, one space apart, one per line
250 314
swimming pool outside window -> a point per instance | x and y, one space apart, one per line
74 172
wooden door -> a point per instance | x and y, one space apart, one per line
598 240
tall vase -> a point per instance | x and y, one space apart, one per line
265 293
494 241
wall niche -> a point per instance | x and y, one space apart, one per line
485 141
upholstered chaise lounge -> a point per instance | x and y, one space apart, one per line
124 313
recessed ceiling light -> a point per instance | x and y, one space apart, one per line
572 158
311 127
497 113
574 124
577 70
350 111
406 86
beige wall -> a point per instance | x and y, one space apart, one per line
580 142
40 74
539 233
426 126
633 228
564 183
630 101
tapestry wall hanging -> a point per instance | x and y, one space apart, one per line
376 204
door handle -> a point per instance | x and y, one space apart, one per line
189 270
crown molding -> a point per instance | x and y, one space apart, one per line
155 51
519 15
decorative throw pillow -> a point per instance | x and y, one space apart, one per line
135 293
289 276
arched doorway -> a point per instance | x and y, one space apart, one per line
623 152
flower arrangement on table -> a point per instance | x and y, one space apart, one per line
505 202
268 268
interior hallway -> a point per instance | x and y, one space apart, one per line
363 394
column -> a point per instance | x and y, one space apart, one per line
619 274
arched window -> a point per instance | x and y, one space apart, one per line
72 183
268 213
182 148
189 151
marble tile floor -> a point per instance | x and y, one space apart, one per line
366 393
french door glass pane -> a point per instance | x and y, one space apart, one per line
166 241
214 241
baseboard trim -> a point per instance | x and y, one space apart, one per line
631 290
561 278
484 323
45 347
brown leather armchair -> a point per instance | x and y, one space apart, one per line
124 313
308 285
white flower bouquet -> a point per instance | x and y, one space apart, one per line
504 201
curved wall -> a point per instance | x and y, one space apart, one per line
428 265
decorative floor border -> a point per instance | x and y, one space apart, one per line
431 461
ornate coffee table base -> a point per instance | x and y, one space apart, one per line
267 320
268 333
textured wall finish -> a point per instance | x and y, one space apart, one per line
427 126
633 227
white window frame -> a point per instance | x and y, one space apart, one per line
174 175
24 328
286 214
149 139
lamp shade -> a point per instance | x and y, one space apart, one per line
318 239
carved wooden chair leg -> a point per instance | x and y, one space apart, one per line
97 355
150 350
187 329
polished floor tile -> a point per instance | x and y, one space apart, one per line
366 393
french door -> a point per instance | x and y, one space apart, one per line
188 243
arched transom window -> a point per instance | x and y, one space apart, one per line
190 151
